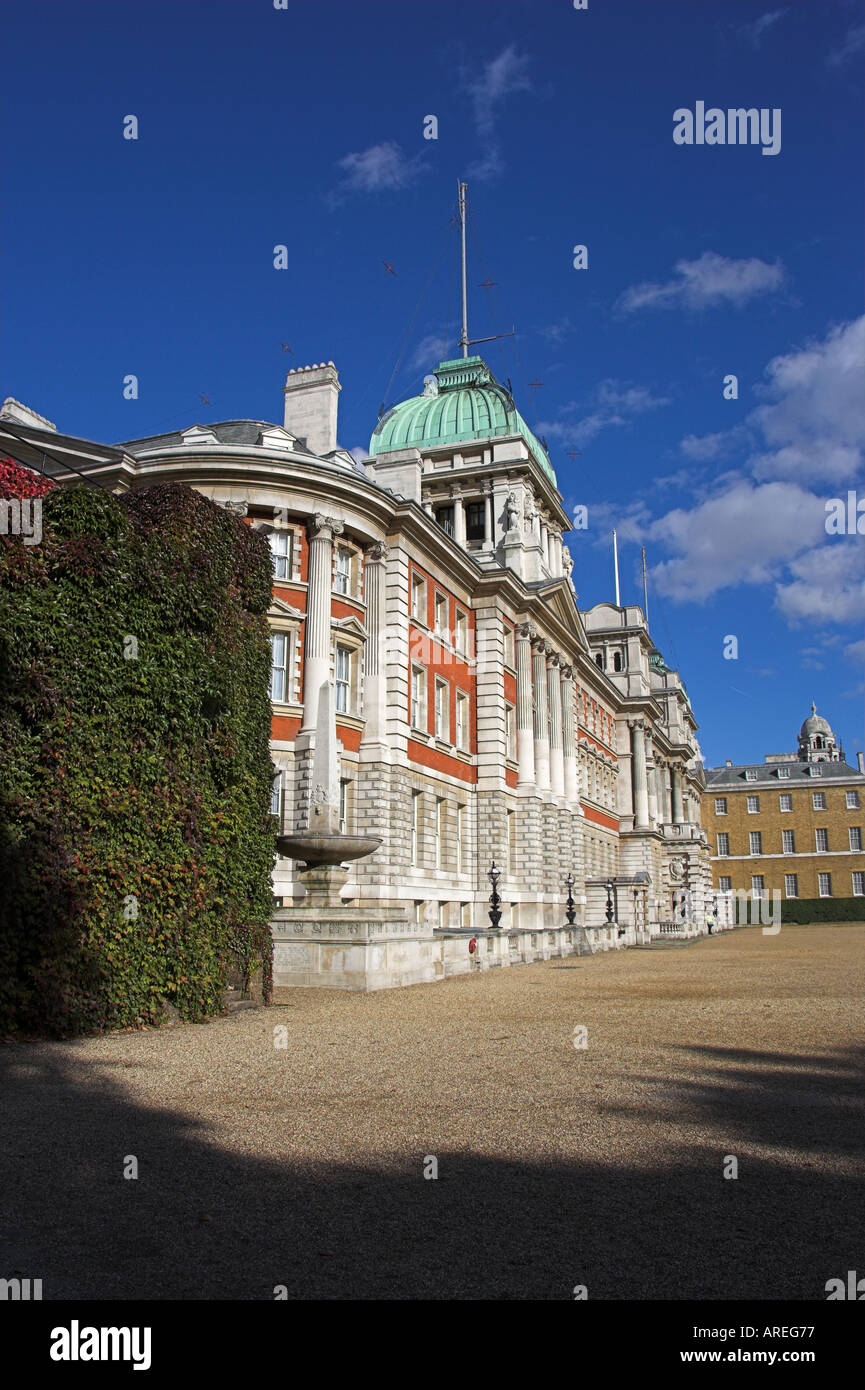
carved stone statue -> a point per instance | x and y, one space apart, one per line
513 512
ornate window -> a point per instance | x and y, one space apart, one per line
442 712
418 697
418 598
342 671
462 721
280 646
280 551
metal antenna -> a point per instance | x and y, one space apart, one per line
645 589
464 336
616 568
465 341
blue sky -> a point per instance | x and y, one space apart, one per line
304 127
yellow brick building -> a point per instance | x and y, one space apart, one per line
794 823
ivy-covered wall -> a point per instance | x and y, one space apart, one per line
136 841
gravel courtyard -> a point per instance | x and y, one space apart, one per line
558 1165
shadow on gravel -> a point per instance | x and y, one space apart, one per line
200 1223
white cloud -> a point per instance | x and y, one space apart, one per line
615 405
556 332
708 281
853 44
745 534
815 426
359 453
704 447
500 78
428 353
755 31
827 585
379 167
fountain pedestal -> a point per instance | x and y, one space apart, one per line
326 941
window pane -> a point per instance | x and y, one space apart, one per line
279 647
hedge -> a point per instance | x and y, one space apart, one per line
807 910
136 841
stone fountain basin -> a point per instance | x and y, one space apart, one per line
316 849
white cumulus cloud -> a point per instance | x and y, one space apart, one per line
708 281
745 534
827 585
379 167
815 425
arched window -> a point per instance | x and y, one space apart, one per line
617 661
600 660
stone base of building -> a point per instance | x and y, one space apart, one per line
341 950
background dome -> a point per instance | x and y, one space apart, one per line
815 724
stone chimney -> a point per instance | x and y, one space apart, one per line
311 406
22 415
860 761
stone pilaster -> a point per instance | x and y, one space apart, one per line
678 814
525 722
569 751
541 717
638 773
557 762
316 656
375 676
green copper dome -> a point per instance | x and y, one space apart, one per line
465 403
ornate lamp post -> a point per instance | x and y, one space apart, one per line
494 875
636 902
609 887
571 909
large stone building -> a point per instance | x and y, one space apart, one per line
436 686
791 825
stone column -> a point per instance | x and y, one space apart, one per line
652 769
638 775
525 722
541 720
488 519
568 743
316 654
668 796
459 521
545 544
557 761
374 674
556 557
678 812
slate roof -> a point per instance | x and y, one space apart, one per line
733 778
